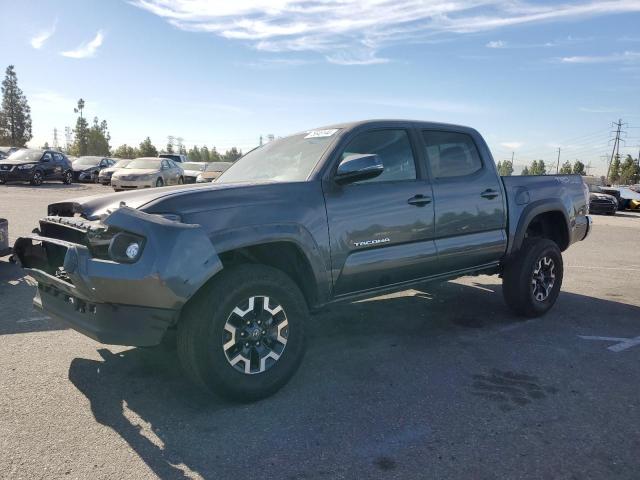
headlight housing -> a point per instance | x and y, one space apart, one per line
126 247
28 166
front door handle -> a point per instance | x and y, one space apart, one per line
489 194
419 200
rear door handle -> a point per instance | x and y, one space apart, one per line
489 194
419 200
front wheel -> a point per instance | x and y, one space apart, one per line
67 178
242 335
180 181
159 182
531 281
37 178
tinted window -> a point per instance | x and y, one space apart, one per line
46 157
57 157
451 154
394 149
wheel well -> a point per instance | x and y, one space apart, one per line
285 256
550 225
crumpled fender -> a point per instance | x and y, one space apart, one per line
177 259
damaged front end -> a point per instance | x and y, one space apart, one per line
122 279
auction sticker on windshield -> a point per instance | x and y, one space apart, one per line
321 133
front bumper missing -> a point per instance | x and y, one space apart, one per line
117 303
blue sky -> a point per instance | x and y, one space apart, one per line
530 76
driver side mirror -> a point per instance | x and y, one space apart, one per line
358 167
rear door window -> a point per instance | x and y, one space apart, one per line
451 154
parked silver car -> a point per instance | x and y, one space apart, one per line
192 170
147 172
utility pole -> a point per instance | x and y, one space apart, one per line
260 140
587 168
68 138
616 145
55 139
558 164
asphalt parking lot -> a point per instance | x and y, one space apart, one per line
440 382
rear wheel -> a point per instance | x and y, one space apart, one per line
37 178
242 336
67 178
159 182
531 281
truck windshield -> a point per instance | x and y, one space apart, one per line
289 159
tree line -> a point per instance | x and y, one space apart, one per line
88 138
94 140
624 172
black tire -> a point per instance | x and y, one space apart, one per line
159 183
2 182
37 178
202 330
67 177
518 285
180 181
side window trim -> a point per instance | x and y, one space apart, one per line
421 133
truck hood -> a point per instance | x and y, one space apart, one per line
94 207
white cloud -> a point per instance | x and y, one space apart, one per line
512 145
624 57
86 50
599 109
337 28
496 44
40 39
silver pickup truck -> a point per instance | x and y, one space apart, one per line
326 215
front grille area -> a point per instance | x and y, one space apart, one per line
92 234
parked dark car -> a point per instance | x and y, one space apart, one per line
330 215
614 192
87 168
5 249
106 173
600 202
35 167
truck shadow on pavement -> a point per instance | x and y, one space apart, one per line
16 303
376 387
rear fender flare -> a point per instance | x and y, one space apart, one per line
531 212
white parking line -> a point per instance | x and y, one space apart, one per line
618 269
621 343
32 319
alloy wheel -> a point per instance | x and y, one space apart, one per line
255 335
543 278
37 178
